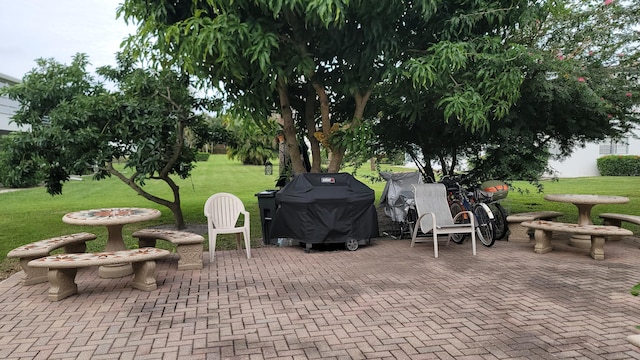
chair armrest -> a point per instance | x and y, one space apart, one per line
433 218
469 214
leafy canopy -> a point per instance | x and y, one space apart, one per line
80 125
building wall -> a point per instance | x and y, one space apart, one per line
582 161
7 107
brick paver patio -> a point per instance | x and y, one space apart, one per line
384 301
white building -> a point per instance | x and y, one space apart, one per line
582 161
8 107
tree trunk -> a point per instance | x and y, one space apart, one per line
338 154
326 125
289 129
174 206
336 160
361 103
178 217
309 112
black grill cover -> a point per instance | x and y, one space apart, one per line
325 208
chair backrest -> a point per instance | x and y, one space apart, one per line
223 210
432 198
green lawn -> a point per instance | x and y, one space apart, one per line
31 214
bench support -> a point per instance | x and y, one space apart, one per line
190 256
189 247
543 244
594 233
32 275
518 233
597 247
39 275
612 222
62 283
144 275
543 241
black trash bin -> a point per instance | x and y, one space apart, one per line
267 205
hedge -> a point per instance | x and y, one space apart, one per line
202 156
618 165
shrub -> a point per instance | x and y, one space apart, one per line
618 165
12 174
202 156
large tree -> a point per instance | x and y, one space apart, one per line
580 81
325 59
79 125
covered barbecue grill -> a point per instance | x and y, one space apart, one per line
326 208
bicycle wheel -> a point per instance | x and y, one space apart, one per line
499 220
455 208
484 225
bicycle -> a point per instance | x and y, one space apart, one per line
497 191
491 199
460 200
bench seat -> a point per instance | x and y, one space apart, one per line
189 246
617 219
62 268
543 231
518 233
72 243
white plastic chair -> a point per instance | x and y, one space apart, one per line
434 216
223 211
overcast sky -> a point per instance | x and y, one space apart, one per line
58 29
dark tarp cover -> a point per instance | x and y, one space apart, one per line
325 208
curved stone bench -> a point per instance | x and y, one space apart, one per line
189 246
617 219
64 267
543 230
518 233
73 243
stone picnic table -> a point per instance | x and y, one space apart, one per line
114 219
584 203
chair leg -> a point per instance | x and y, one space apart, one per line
212 246
473 242
435 243
415 233
239 241
247 243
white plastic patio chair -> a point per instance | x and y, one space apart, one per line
223 211
434 216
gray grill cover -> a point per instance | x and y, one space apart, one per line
397 196
325 208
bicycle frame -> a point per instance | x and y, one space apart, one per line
467 201
461 200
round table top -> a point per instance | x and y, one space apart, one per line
587 199
110 216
